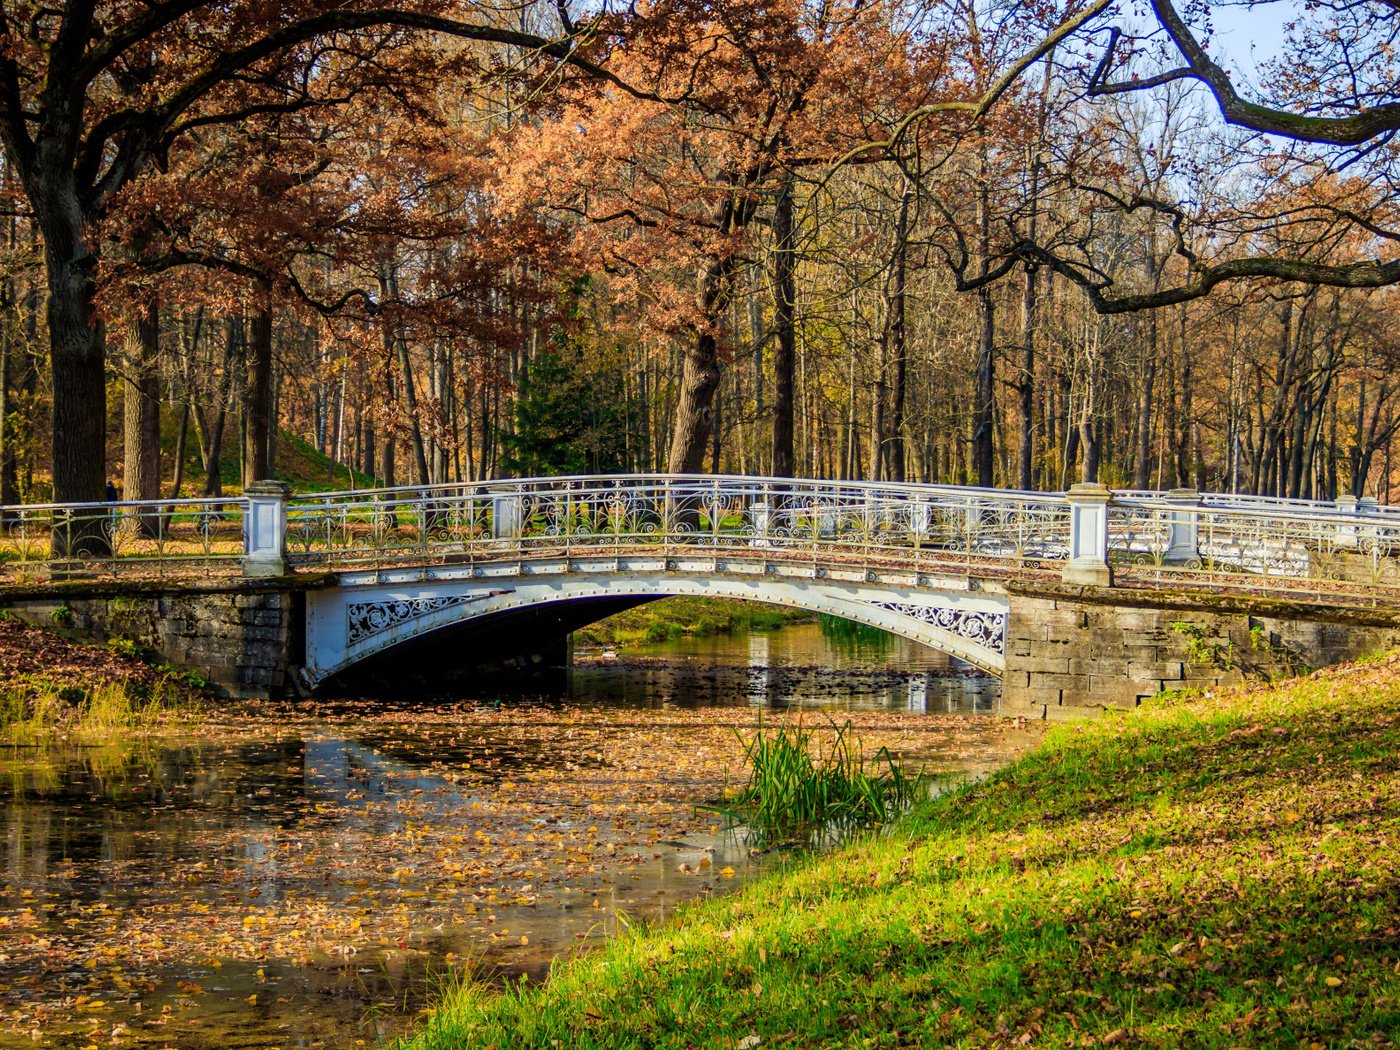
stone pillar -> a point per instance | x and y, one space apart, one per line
505 516
265 528
920 519
1346 528
1370 531
760 518
1088 535
1183 528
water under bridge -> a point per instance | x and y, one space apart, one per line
1087 598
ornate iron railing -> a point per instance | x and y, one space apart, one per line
157 538
836 520
1180 539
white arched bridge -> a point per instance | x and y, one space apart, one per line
1016 583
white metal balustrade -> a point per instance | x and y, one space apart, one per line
1344 550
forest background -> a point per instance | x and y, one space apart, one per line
998 242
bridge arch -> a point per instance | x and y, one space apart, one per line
366 617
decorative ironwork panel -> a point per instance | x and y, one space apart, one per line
983 627
366 619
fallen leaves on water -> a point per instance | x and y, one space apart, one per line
321 837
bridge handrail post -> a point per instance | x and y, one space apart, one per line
265 528
1370 506
1347 506
506 521
1088 535
920 520
760 516
1183 528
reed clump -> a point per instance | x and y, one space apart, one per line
805 783
35 710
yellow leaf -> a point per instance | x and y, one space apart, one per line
1332 982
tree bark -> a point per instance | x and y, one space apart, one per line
982 451
78 365
141 412
784 313
699 374
700 364
257 399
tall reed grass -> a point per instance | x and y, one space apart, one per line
804 784
37 710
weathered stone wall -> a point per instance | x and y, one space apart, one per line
243 638
1074 649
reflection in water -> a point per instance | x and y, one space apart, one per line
293 877
798 666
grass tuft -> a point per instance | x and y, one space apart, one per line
804 784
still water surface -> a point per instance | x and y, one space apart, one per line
300 875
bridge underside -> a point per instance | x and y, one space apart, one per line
520 648
374 628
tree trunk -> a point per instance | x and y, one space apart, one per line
699 376
181 436
1029 298
700 363
78 360
257 400
982 451
899 358
141 412
395 342
1142 459
213 448
77 342
784 310
9 433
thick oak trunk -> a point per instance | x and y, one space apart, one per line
695 412
695 405
79 376
700 364
78 365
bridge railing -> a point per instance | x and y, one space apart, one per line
142 538
1088 535
830 520
1185 539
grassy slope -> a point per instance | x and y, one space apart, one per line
297 462
1206 871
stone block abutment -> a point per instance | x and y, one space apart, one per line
243 637
1073 650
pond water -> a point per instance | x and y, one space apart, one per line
803 666
300 875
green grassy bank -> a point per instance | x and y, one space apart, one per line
679 617
1207 871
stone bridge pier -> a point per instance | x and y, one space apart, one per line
1072 649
